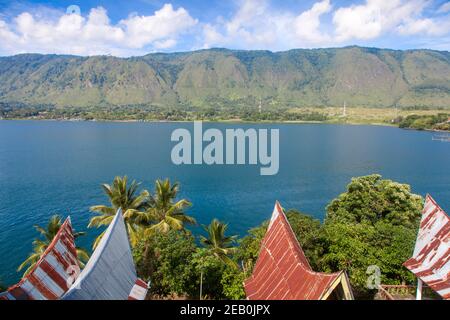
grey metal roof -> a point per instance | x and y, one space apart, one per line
110 273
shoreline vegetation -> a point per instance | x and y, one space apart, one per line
374 222
409 118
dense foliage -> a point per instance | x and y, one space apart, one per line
371 199
374 223
166 260
436 122
153 113
176 266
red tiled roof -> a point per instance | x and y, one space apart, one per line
431 258
282 271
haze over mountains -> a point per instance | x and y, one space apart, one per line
365 77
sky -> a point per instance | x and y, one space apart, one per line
137 27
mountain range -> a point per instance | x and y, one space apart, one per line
357 76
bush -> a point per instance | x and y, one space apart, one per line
437 122
374 223
233 284
164 259
212 269
371 199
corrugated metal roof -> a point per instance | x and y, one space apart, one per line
282 271
139 290
52 274
110 273
431 258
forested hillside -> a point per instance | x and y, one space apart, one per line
221 78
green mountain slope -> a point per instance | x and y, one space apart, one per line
218 77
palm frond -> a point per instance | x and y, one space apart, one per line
103 210
30 261
99 221
97 240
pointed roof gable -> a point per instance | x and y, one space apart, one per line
282 271
110 273
53 273
431 258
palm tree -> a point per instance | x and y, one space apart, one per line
121 196
40 245
217 243
163 213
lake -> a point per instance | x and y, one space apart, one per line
51 167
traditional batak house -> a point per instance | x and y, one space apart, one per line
282 271
430 262
110 273
51 277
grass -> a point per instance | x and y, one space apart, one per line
359 115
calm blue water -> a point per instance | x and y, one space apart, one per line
57 167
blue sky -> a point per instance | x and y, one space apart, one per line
126 28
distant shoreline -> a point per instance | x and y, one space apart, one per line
234 121
205 120
435 120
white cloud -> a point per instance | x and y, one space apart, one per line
307 24
255 24
375 17
251 25
423 26
94 34
166 22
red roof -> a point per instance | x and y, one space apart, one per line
431 258
53 273
282 271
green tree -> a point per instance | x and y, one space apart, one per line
41 244
374 223
174 265
370 199
163 212
219 247
232 283
121 195
217 243
166 260
208 271
356 247
249 247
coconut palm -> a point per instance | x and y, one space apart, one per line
41 244
217 243
121 195
163 212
